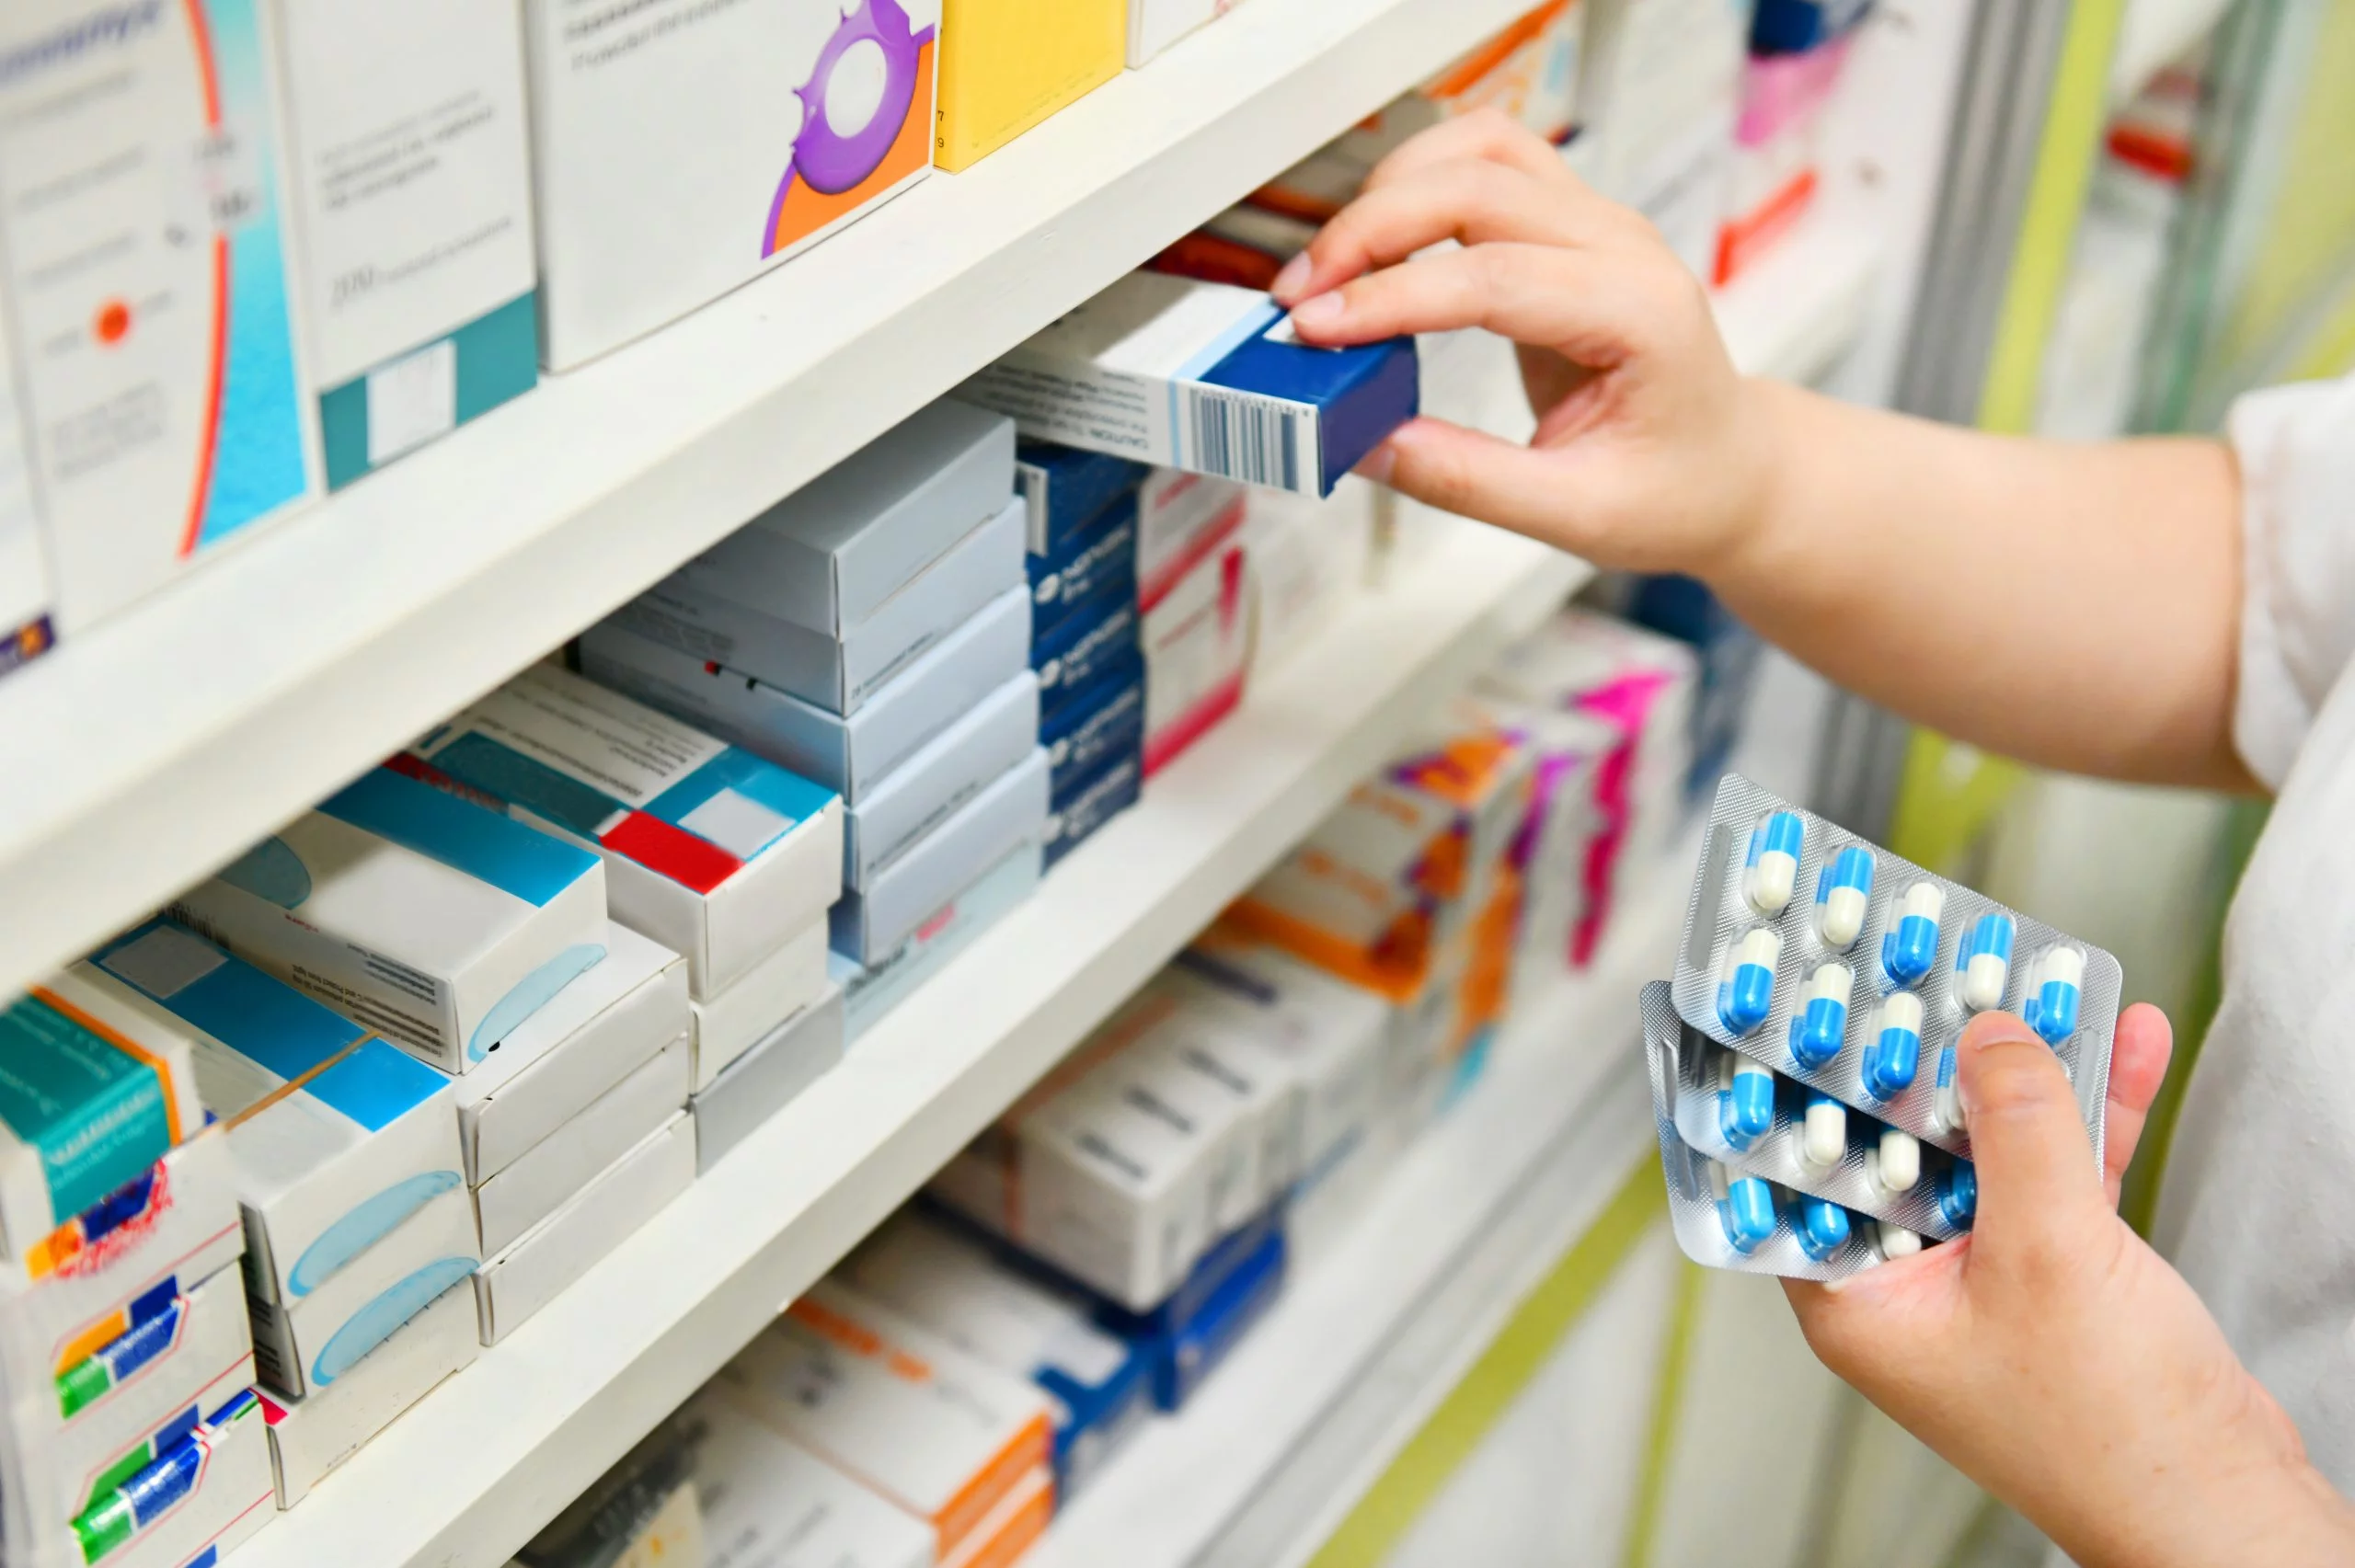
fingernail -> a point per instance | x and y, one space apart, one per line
1320 314
1376 465
1293 277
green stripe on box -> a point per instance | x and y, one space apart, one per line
499 360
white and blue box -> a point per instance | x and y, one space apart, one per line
1091 727
1067 489
869 923
1075 815
1086 651
1097 567
924 790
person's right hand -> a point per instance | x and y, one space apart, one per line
1651 452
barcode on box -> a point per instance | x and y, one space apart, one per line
1237 436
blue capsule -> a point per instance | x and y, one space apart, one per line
1958 1193
1745 1103
2050 1008
1746 1208
1770 868
1842 890
1821 1022
1822 1228
1983 964
1895 1052
1747 992
1910 944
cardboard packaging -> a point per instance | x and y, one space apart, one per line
304 1344
439 924
675 158
710 850
934 1431
337 1138
1066 490
765 1079
1529 70
1191 1346
410 188
1007 65
200 1499
1182 519
868 924
850 755
1784 96
1155 25
1205 377
1092 802
1307 559
1011 1528
729 1026
643 1513
165 399
545 1177
1089 571
1197 640
1092 727
101 1085
309 1437
613 1019
871 990
770 1503
551 1255
1086 649
947 772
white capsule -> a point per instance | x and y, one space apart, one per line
1927 899
1824 1137
1896 1240
2066 965
1901 1161
1947 1109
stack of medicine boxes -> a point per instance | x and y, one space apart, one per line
1194 600
359 1239
720 867
122 1320
871 632
1082 510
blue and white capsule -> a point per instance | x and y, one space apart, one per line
1824 1132
1821 1227
1770 870
1894 1165
1745 1208
1820 1023
1910 946
2054 983
1894 1242
1894 1053
1746 994
1983 964
1745 1101
1842 890
1959 1195
1946 1105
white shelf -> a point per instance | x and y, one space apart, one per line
1284 1438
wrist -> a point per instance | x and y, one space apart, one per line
1757 540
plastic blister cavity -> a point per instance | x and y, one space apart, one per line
1925 955
1877 1173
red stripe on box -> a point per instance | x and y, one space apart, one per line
692 863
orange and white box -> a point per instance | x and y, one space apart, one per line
943 1437
1528 69
767 1502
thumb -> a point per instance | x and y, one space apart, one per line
1476 476
2035 1163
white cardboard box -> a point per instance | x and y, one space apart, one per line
304 1344
949 770
438 923
545 1259
872 990
714 853
765 1079
337 1138
770 1503
411 194
309 1437
675 155
1155 25
590 1036
732 1024
228 1501
540 1181
1197 640
1010 810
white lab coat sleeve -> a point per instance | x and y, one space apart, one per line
2296 449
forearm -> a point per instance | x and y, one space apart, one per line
2074 606
2204 1516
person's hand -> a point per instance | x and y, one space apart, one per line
1651 452
2056 1359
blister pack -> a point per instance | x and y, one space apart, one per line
1733 1219
1838 965
1727 1108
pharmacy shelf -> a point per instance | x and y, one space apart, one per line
2155 34
1366 1341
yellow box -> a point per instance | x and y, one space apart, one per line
1007 65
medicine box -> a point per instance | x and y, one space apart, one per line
1205 377
1528 70
410 187
1011 1528
1181 518
938 1433
309 1437
212 1486
164 396
1307 558
866 924
676 156
614 1018
949 771
551 1255
170 1229
939 1276
731 1024
25 630
95 1087
1084 650
871 990
850 755
303 1343
710 850
1007 65
1090 803
1089 570
1155 25
337 1138
1196 641
1066 490
770 1503
1092 727
1192 1347
795 1054
439 924
837 671
538 1182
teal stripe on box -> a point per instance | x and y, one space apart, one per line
94 1112
460 835
499 360
784 792
502 772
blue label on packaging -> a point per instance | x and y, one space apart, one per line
1086 651
486 846
1094 724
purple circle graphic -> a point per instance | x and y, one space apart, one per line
833 160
